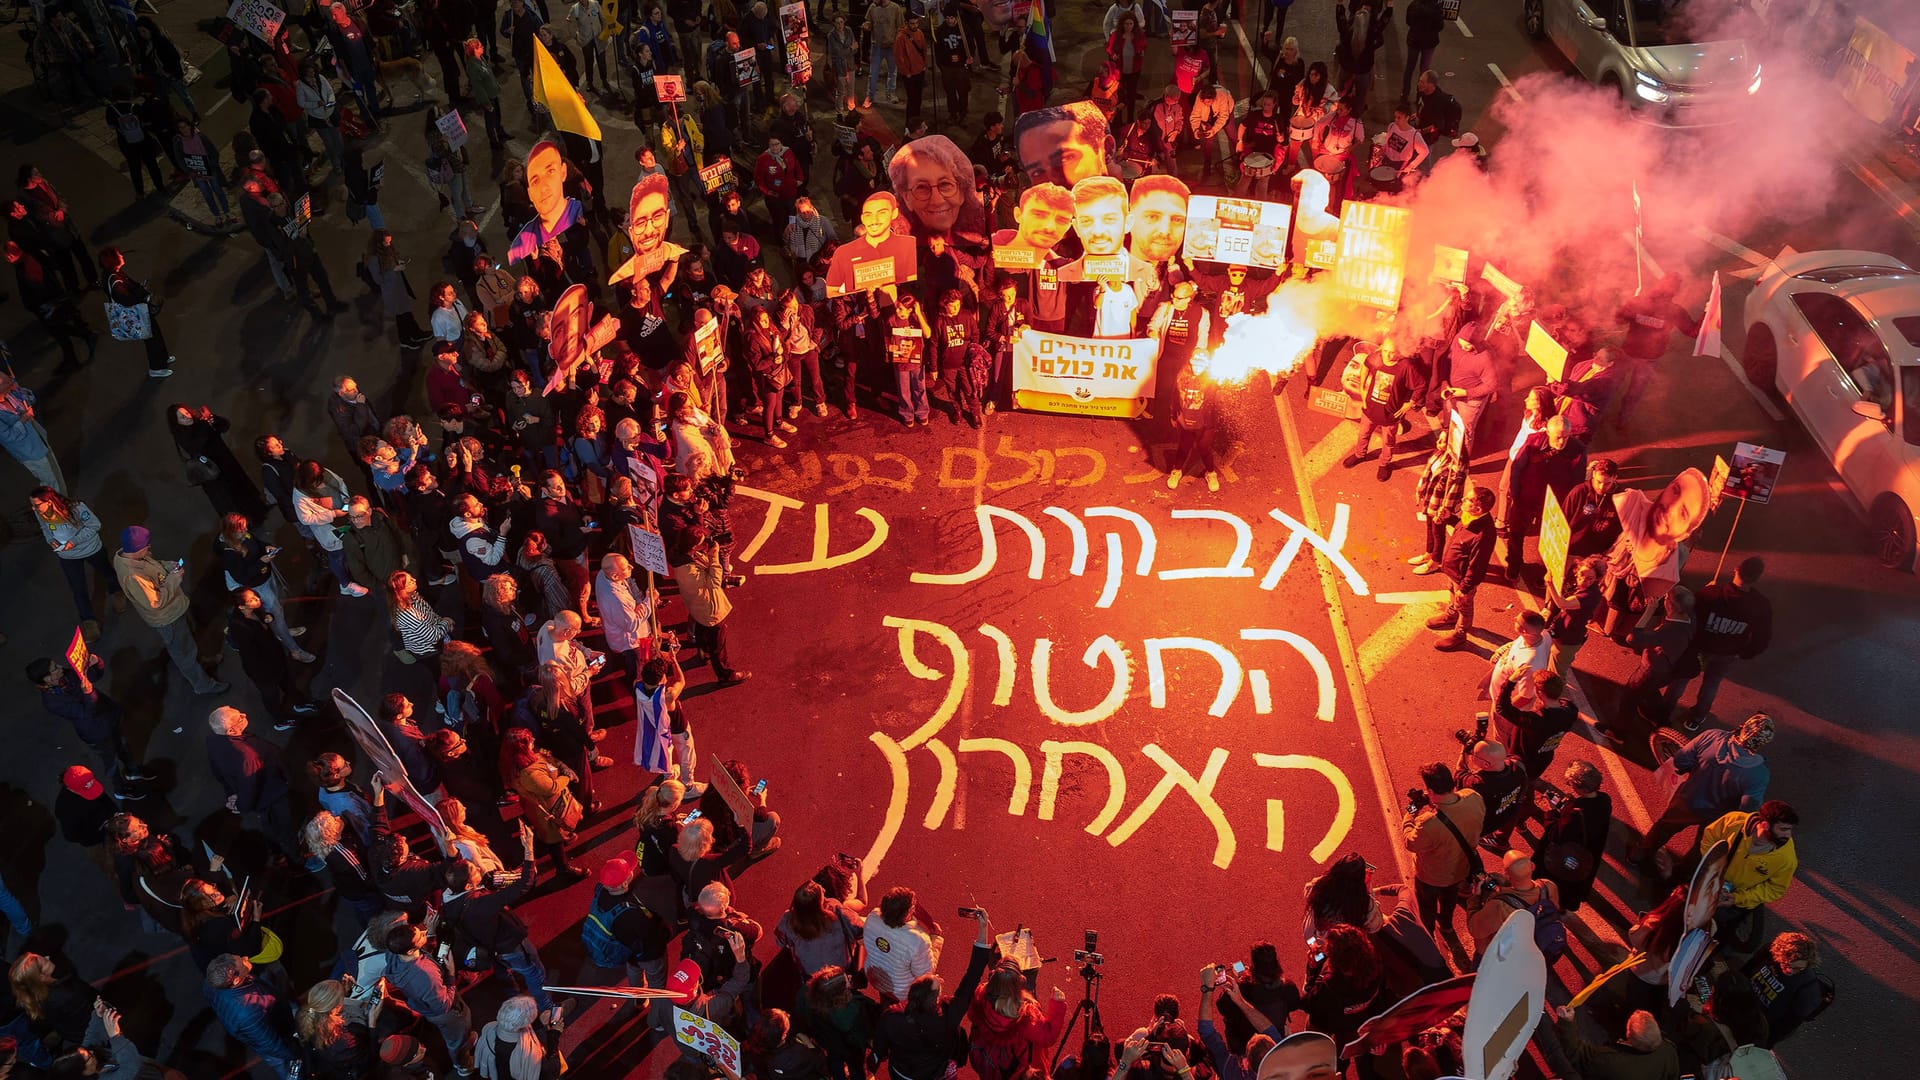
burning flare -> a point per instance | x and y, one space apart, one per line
1277 342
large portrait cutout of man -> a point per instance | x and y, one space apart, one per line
1042 219
554 213
1062 144
649 216
878 256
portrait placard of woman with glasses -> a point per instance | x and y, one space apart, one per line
934 181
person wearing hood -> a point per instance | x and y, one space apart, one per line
482 547
1011 1030
1720 772
156 592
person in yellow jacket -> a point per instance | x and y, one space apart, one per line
1763 863
154 589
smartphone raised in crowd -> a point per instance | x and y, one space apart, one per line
760 786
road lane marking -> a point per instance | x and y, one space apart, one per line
1738 249
1461 24
1391 638
1246 49
1320 459
1330 582
1430 596
1505 83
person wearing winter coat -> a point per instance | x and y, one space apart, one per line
920 1037
70 528
1011 1030
372 544
155 591
253 1014
320 501
253 633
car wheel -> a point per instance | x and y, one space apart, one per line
1892 533
1761 359
1534 18
1612 82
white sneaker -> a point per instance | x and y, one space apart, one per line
163 373
302 656
1173 479
1418 559
1213 481
776 442
353 589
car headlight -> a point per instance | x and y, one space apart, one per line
1754 86
1649 88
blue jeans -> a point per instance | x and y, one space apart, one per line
525 962
374 220
215 194
17 915
911 379
882 53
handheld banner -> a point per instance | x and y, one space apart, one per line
1449 264
1083 376
1426 1007
373 743
731 794
1239 231
703 1036
1372 261
76 654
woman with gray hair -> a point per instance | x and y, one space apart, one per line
520 1044
933 179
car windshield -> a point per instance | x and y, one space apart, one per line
1678 22
1910 402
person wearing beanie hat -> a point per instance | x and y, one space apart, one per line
72 696
155 590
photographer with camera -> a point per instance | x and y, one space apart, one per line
1573 834
1228 1065
1435 829
920 1038
1516 889
720 940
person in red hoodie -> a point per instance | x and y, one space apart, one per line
1010 1030
777 174
1127 50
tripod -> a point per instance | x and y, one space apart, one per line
1089 1008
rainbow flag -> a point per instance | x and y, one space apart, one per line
1040 37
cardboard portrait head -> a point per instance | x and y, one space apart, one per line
1157 218
1100 215
1043 217
1062 144
933 179
1303 1055
547 181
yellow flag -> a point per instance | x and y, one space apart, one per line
561 100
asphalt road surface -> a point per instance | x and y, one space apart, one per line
1260 756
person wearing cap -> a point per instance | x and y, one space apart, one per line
635 918
83 812
427 988
70 694
404 1055
252 771
1503 787
155 590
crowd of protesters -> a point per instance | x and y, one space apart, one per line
501 519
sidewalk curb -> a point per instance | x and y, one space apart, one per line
1893 191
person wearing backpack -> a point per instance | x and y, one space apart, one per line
138 145
1520 890
627 929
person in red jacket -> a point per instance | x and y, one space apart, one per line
1127 51
777 174
1010 1030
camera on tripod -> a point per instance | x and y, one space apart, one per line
1090 956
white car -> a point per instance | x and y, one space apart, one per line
1646 51
1837 333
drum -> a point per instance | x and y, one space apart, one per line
1257 165
1300 129
1132 169
1331 166
1386 180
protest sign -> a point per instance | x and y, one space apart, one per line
76 654
1754 472
716 176
649 551
1555 536
1449 264
671 88
703 1036
1372 260
1083 376
1186 29
1546 352
453 128
1244 232
257 17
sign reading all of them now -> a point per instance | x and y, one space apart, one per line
1372 262
703 1036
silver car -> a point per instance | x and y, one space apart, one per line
1646 51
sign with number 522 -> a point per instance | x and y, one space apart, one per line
703 1036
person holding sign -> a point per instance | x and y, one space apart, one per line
877 257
